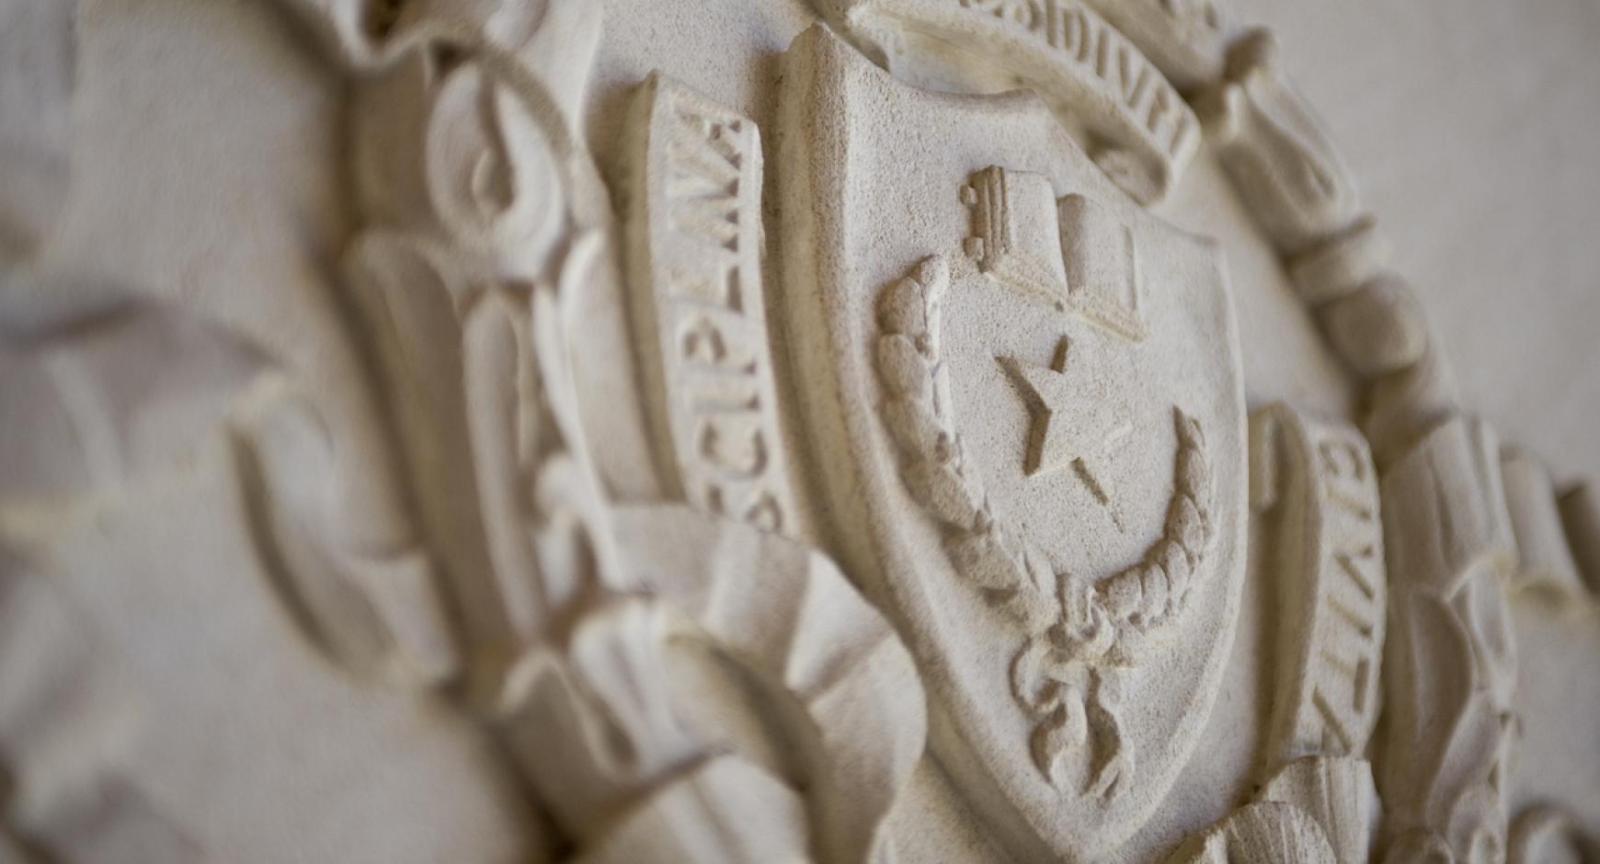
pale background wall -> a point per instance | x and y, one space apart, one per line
1473 128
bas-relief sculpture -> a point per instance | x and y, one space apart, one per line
973 528
1319 485
727 492
697 241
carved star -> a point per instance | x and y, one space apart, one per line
1057 442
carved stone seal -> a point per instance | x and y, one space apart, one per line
1024 400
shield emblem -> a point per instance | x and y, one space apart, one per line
1024 403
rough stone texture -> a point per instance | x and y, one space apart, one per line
1478 172
648 430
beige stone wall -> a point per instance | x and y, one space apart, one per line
1471 126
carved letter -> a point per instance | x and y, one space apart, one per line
1317 481
694 249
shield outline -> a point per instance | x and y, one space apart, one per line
853 454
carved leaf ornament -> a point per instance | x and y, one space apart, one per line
1078 630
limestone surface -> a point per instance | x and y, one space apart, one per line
801 430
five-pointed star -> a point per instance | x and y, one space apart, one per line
1057 441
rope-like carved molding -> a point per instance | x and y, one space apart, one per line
1071 623
1435 477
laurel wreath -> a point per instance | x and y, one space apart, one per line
1069 621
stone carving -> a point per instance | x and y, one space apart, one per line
687 821
477 200
607 727
1377 329
1057 441
1580 517
695 252
1545 833
1183 38
1406 404
1070 252
1314 809
115 405
1068 621
929 408
1275 149
1449 537
1318 485
1304 200
1544 558
67 722
361 542
1450 666
1261 833
462 159
485 227
1143 133
545 481
1102 267
480 247
1011 237
1339 265
376 618
843 665
1336 792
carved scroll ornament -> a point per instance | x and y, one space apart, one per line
1316 486
695 251
487 225
1143 133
